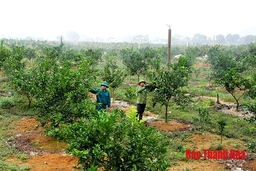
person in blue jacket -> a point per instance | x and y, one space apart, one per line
102 97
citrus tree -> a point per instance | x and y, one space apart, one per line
20 79
229 71
61 95
134 61
113 74
168 85
64 97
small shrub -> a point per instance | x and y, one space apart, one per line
6 104
219 147
114 142
203 115
209 102
204 118
252 146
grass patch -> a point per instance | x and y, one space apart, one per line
6 167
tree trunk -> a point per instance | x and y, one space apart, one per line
236 99
29 102
166 110
237 104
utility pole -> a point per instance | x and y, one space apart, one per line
213 40
169 47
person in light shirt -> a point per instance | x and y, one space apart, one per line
141 93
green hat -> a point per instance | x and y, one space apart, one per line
104 84
142 81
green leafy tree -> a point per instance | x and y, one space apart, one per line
168 84
152 57
24 84
4 53
94 54
20 79
153 60
61 95
176 50
30 53
154 66
72 55
252 91
228 72
192 53
252 49
252 56
113 74
135 62
65 96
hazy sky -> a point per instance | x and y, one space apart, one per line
120 18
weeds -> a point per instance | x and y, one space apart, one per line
6 167
23 156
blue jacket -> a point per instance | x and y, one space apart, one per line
102 97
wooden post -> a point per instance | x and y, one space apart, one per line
218 99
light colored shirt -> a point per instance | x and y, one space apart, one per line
141 93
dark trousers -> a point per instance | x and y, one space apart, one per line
100 106
140 110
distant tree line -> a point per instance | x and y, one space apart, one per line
197 39
177 39
200 39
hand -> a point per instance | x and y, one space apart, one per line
108 109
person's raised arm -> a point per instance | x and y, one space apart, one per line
140 89
94 91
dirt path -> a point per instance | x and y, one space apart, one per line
46 153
